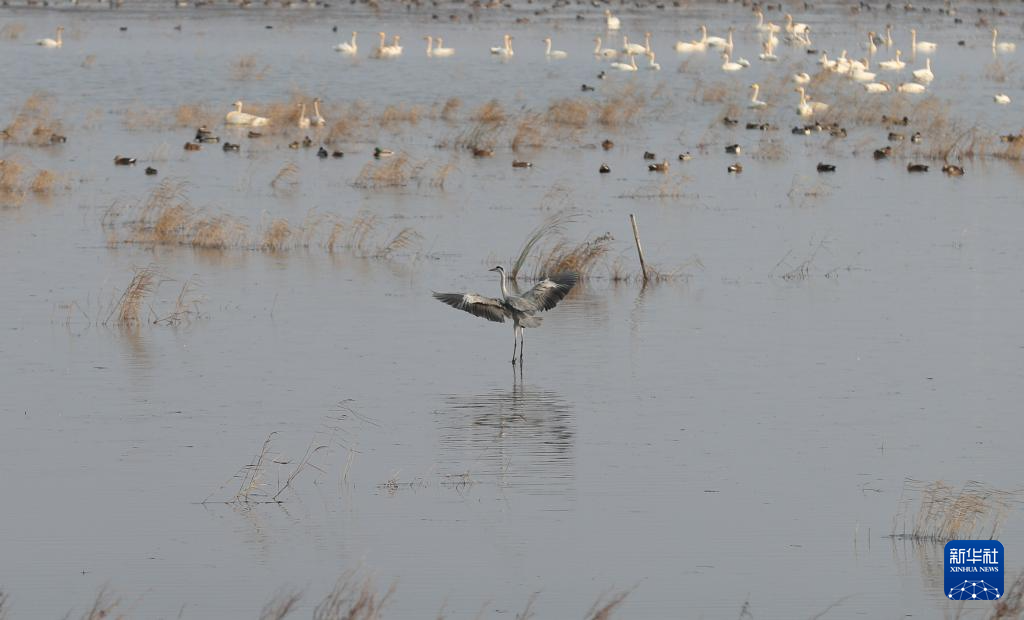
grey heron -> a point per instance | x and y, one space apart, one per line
545 295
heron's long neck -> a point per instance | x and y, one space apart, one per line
504 288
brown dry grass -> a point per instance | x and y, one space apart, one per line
287 178
573 113
126 311
11 192
1011 604
12 31
44 182
195 115
603 609
621 107
33 123
393 172
352 601
450 110
580 258
491 113
281 605
104 607
247 67
945 513
394 115
277 235
529 133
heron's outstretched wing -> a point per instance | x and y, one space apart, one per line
486 307
547 293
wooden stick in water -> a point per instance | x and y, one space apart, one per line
639 249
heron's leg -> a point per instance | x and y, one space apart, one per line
515 341
522 344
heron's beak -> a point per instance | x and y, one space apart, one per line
493 269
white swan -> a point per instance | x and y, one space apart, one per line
877 87
888 35
393 50
872 48
921 46
58 42
910 88
1001 98
606 52
632 48
807 107
653 66
726 43
237 117
506 49
317 119
729 65
797 29
1001 47
694 46
610 21
441 50
863 72
768 52
381 50
348 47
304 122
763 27
756 103
801 78
554 54
621 66
925 75
893 65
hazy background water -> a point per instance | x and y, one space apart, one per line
735 436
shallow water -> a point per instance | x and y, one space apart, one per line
731 436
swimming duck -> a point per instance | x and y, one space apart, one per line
481 152
337 154
685 156
607 144
521 164
378 152
150 170
883 152
649 155
662 167
229 147
255 134
953 171
124 161
735 149
322 153
896 137
916 138
826 167
917 168
192 146
56 138
735 168
604 169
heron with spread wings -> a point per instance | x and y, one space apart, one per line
520 308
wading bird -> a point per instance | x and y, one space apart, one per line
520 308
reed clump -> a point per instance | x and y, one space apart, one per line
397 114
580 257
529 133
945 512
621 107
12 31
44 183
247 67
450 109
127 310
194 115
491 113
12 194
33 123
572 113
1010 606
393 172
277 235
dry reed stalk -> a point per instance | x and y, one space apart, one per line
194 115
12 194
580 258
88 61
945 513
337 228
287 178
528 133
33 123
12 31
479 136
552 225
277 235
715 93
1011 605
602 610
44 181
218 233
451 108
573 113
491 113
393 172
621 107
281 605
186 305
130 303
104 607
397 114
352 601
246 68
441 175
403 239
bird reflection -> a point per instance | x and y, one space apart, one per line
523 437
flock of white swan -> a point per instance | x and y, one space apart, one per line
863 70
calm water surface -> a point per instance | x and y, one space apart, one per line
732 436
